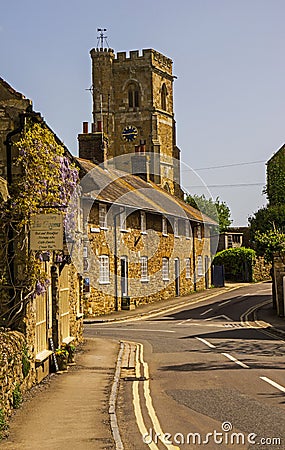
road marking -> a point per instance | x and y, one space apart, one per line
235 360
273 383
205 342
149 405
260 326
221 316
135 329
184 321
148 401
205 312
225 303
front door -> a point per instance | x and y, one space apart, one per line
124 276
177 276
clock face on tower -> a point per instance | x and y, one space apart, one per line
129 133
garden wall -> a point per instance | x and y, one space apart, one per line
16 374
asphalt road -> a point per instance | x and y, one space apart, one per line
204 374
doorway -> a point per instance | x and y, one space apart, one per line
124 276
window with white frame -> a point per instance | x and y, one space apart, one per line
104 271
200 266
165 269
175 228
187 229
164 226
188 268
102 215
123 220
144 268
143 222
199 232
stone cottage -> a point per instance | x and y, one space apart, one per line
40 290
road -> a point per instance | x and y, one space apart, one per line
202 376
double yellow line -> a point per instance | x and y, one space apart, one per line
142 376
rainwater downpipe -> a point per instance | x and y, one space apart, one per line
194 258
115 257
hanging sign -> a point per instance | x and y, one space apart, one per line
46 232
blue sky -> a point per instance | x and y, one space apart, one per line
228 58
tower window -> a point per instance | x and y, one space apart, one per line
134 96
163 97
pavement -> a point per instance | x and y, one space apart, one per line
75 409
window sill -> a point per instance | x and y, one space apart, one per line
104 228
188 238
164 235
177 237
104 282
41 356
122 230
144 233
145 280
94 230
166 279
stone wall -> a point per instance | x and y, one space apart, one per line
261 270
17 372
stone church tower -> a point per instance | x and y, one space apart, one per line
133 114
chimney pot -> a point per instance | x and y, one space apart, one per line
85 127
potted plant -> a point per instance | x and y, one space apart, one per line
62 358
71 352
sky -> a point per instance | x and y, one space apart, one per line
229 95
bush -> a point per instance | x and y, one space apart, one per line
238 263
3 424
17 397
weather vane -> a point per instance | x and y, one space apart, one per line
102 38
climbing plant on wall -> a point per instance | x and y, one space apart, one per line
275 189
44 179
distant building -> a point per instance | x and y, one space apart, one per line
234 237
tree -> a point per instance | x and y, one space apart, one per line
268 218
216 210
267 229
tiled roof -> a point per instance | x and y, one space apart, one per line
117 187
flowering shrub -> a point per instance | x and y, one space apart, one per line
45 182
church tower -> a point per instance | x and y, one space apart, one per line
133 109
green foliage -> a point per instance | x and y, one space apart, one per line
45 182
216 210
17 396
270 243
267 228
275 188
237 261
25 362
268 218
3 424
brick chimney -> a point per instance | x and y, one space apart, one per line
92 145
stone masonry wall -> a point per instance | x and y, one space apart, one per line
17 372
261 270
